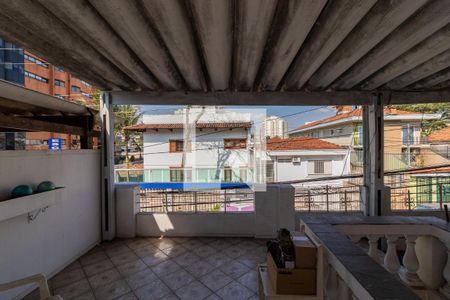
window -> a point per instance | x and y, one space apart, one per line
87 95
235 143
178 145
85 83
227 175
60 83
59 69
285 160
243 174
410 134
59 96
316 167
36 61
176 175
36 77
75 89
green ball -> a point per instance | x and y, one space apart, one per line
21 191
45 186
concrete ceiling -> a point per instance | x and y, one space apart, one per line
239 46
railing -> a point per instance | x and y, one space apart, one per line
182 201
400 246
328 198
406 268
432 196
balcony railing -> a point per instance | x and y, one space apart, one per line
368 257
209 201
328 198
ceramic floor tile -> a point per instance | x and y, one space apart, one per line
87 296
117 250
218 259
213 297
104 278
180 240
251 260
220 244
112 290
186 259
98 267
177 279
155 258
175 251
249 280
93 258
129 296
205 251
137 243
200 268
234 251
72 266
193 291
164 244
170 296
131 267
234 291
73 290
235 269
146 250
166 267
140 279
67 277
124 258
192 244
156 289
216 280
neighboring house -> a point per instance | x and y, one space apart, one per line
275 127
430 188
440 142
305 158
197 145
404 144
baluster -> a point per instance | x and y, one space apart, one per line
391 262
446 273
331 283
355 238
411 263
373 246
344 291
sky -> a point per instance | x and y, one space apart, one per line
294 115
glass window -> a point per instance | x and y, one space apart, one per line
316 167
75 89
176 146
60 83
227 175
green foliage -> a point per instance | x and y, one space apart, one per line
428 126
216 208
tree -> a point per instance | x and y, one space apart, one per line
428 126
129 115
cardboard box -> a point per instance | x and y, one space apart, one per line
291 281
305 252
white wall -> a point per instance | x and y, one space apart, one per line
64 231
209 145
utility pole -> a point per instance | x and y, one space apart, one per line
408 144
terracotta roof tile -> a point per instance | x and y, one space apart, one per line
354 113
143 127
300 143
442 135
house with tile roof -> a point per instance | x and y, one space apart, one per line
301 158
404 144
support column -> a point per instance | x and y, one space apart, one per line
373 141
108 203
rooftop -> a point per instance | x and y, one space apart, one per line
144 127
300 143
442 135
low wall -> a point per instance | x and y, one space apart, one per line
65 230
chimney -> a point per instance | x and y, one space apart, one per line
343 109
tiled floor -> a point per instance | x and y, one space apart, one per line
164 268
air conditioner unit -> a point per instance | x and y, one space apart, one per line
296 160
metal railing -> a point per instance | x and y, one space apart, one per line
420 197
205 201
328 198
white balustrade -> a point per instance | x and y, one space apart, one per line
391 262
373 246
411 263
445 290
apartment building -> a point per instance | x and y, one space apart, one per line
275 127
24 68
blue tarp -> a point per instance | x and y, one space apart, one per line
187 185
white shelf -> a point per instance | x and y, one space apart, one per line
19 206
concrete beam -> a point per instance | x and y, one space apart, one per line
380 21
434 65
134 29
336 21
273 98
27 124
431 18
172 22
213 22
292 23
38 19
426 50
253 23
82 17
